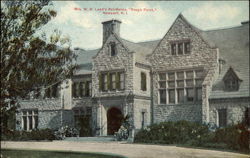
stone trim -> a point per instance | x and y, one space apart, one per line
143 66
142 97
179 69
223 100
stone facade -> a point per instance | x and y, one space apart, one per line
142 105
202 55
50 113
235 109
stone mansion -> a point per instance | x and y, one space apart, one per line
189 74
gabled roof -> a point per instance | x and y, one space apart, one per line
230 72
84 61
233 44
141 49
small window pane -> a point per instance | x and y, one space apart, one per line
162 96
24 112
171 94
180 48
171 76
171 83
30 122
162 84
190 94
198 82
173 49
189 74
187 47
180 75
35 112
162 76
113 49
25 123
36 121
180 95
198 94
113 83
30 112
89 111
105 77
121 76
222 117
143 81
189 83
199 73
122 81
180 83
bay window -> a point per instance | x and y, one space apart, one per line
29 119
111 81
176 87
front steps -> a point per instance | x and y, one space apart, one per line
91 139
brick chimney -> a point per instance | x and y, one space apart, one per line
109 27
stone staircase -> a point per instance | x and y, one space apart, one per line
91 139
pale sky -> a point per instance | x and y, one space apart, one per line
84 28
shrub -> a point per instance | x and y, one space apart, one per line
235 136
183 132
66 131
173 133
42 134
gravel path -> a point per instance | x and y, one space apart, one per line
125 149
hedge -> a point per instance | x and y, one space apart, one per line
183 132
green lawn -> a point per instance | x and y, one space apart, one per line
9 153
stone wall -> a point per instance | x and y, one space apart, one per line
137 81
235 109
103 61
50 113
202 55
189 112
141 105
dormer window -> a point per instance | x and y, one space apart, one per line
231 80
112 48
231 85
180 47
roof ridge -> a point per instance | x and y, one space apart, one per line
153 40
223 28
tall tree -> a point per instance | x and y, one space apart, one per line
29 60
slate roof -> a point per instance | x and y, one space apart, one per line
84 61
233 44
141 49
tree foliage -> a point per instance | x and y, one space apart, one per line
29 60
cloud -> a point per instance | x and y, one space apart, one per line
212 13
68 14
143 16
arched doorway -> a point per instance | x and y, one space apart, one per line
114 117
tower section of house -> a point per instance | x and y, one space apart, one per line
117 89
184 65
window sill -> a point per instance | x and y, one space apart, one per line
112 91
82 97
180 104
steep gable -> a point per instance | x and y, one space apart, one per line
231 74
202 52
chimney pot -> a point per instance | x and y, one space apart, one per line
109 27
